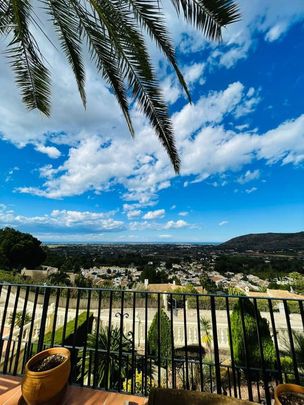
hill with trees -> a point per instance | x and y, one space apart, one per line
266 242
18 250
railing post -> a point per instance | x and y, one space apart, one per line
231 347
292 348
260 343
45 307
215 347
246 352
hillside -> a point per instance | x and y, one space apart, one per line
266 241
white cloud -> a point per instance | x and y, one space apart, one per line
154 214
134 213
51 151
63 220
251 190
171 89
11 173
222 223
249 176
276 32
272 18
176 224
194 72
165 236
183 213
206 146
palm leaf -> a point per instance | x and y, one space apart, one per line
31 75
150 17
105 58
138 71
209 16
5 22
66 25
114 32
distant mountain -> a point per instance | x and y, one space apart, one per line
266 241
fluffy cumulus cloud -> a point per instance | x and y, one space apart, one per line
154 214
249 176
63 221
133 213
101 155
207 148
51 151
180 223
267 18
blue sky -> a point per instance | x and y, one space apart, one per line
79 176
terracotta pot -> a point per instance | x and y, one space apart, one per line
46 387
286 387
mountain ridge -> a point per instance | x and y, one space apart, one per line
266 241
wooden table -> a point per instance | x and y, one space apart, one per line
10 394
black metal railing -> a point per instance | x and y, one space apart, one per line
131 341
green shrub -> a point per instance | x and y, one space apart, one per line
287 364
110 369
165 339
20 318
298 342
253 349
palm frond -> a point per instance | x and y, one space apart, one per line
105 58
114 32
66 25
5 17
31 75
209 16
135 62
151 18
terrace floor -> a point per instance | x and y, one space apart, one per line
10 394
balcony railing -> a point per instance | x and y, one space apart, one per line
130 341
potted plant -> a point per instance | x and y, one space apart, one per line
46 376
289 394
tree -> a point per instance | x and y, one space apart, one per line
208 284
114 32
20 318
109 370
59 278
159 339
253 349
154 277
71 264
81 281
18 249
206 329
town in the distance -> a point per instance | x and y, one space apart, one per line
256 265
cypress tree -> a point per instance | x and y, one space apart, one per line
164 336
